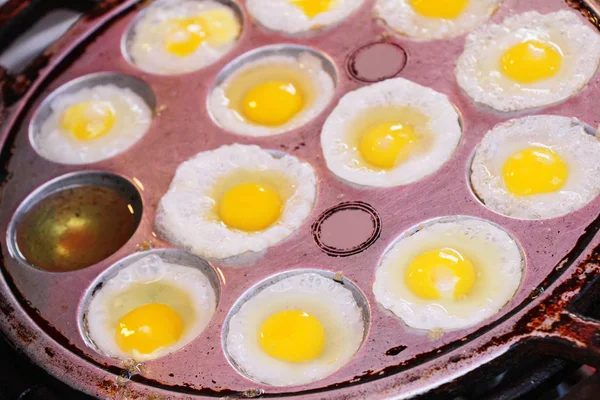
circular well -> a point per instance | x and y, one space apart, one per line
64 226
357 294
127 38
218 104
590 130
172 256
122 81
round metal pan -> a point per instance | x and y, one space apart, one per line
41 311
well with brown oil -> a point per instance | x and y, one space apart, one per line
75 228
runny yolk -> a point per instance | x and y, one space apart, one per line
440 273
293 336
148 328
250 207
312 8
534 170
531 61
385 144
446 9
88 120
216 27
272 103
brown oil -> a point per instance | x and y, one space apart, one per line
75 228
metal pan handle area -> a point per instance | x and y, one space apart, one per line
580 336
565 321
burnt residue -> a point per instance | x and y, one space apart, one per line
553 308
26 335
108 387
394 351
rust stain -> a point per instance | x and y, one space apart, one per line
26 335
108 387
49 351
553 309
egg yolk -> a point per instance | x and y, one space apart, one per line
250 207
440 270
293 336
216 27
148 328
534 170
446 9
89 120
312 8
531 61
383 145
272 103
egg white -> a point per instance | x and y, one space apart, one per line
495 255
443 125
145 47
478 70
283 16
332 304
102 318
401 17
183 212
566 137
132 120
322 86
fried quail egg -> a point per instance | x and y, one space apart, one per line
449 273
300 16
530 60
92 124
236 199
295 331
149 309
272 95
537 167
435 19
390 133
175 37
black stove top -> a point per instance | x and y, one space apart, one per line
22 380
542 379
